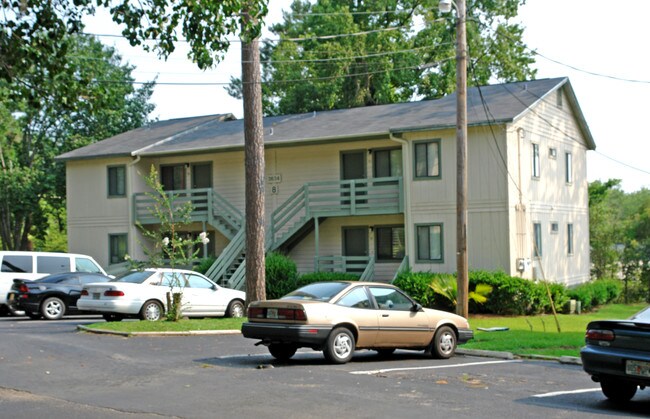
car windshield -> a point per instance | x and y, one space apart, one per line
134 277
321 291
642 316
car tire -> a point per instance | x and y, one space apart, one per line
282 351
152 310
112 317
339 346
618 391
33 316
443 345
235 309
53 308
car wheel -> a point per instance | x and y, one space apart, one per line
33 316
151 310
282 351
235 309
112 317
444 343
53 308
339 347
385 352
618 391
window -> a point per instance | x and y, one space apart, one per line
559 99
196 281
429 242
537 233
390 299
390 243
536 168
552 153
117 244
116 181
388 163
357 298
172 178
52 264
554 228
427 159
569 239
86 265
17 263
568 168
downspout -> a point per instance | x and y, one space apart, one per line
406 176
131 231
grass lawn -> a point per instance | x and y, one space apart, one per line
538 335
166 326
527 335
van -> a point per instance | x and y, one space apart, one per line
35 265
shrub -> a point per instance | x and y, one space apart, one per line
281 275
204 265
594 293
416 284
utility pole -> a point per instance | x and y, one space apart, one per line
462 260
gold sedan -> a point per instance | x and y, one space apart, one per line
339 317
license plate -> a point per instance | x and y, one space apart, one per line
96 295
638 368
271 313
10 297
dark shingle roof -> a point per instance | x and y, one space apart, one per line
494 104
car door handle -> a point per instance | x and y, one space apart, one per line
385 315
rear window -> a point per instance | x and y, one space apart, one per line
52 264
321 291
16 263
134 277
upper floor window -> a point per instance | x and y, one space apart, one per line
388 163
559 99
172 178
117 181
568 168
427 159
429 242
536 165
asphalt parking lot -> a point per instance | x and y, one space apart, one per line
49 369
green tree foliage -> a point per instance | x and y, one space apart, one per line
89 98
605 229
336 54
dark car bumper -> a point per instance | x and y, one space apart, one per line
607 362
464 335
301 335
23 302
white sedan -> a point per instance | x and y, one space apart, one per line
144 293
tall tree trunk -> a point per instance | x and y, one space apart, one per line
254 164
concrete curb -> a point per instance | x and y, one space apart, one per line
186 333
570 360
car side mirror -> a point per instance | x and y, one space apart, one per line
416 307
214 288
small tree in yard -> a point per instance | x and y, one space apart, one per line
169 248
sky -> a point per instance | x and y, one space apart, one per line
602 49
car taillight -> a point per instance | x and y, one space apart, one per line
113 293
255 313
291 314
600 334
23 288
84 292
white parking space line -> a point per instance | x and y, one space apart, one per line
432 367
561 393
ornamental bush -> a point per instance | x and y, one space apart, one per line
281 275
309 278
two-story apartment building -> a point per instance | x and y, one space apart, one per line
367 190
